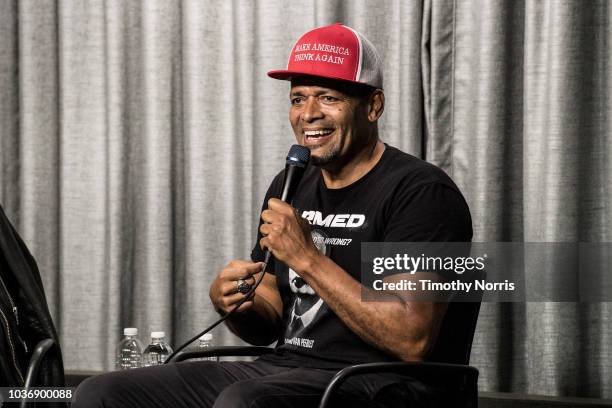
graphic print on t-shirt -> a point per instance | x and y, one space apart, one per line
307 306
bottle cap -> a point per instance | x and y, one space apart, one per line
158 335
206 337
130 331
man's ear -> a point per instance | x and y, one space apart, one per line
376 105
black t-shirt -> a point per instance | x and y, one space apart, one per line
401 199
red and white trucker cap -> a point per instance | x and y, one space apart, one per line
336 52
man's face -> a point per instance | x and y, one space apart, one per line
326 120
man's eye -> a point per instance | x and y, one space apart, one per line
296 101
327 98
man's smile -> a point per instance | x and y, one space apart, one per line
317 137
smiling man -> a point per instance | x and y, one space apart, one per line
357 189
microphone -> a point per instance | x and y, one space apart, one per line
295 166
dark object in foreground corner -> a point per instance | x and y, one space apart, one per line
29 349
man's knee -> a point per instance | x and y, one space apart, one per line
242 394
99 391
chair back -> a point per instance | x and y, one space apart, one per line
454 342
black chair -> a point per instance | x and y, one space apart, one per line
447 365
446 369
36 358
36 361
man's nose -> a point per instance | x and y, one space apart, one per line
312 110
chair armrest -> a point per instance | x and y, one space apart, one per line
418 370
221 351
38 355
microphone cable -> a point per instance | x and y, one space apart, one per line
247 296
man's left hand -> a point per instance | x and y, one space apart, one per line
287 235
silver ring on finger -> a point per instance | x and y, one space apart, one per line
243 286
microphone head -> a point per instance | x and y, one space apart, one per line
298 156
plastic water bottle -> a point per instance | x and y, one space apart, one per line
206 341
156 352
129 350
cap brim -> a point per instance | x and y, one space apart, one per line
287 75
281 74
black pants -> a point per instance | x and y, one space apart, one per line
255 384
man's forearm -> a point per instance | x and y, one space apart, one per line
258 326
404 329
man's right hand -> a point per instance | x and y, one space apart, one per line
224 289
257 320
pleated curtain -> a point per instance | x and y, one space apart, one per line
137 140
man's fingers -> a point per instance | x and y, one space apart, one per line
231 286
254 268
263 243
268 216
237 264
252 279
277 209
277 205
265 229
243 270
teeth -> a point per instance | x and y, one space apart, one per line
317 132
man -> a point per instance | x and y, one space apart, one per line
357 189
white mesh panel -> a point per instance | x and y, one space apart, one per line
371 64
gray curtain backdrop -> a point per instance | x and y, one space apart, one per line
138 138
